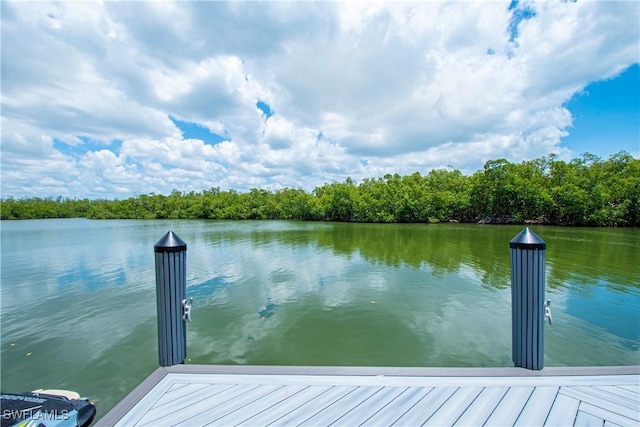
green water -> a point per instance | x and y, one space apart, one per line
78 297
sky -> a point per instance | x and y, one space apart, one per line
116 99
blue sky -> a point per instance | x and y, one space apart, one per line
114 99
606 116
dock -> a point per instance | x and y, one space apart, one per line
199 395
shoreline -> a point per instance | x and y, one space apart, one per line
484 221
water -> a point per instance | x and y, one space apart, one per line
78 297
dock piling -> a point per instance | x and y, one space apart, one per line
171 289
527 299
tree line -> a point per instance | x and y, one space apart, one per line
587 191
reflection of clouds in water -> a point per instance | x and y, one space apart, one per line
288 266
280 293
267 310
204 262
250 293
98 324
558 299
461 318
209 287
470 273
374 279
597 308
469 323
456 312
81 279
336 295
286 274
581 342
236 342
51 274
282 277
582 323
339 281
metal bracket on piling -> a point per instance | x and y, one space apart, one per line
547 311
186 309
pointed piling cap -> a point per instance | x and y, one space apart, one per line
527 239
170 243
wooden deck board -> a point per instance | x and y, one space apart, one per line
586 397
389 414
198 395
454 407
309 409
261 405
161 411
635 388
510 407
538 406
332 413
563 412
220 398
228 409
622 393
184 392
607 415
273 414
368 408
587 420
482 407
607 396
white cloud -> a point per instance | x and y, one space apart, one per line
396 86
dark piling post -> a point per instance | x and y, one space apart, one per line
173 308
527 299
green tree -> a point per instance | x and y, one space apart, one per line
585 191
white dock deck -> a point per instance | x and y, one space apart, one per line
194 395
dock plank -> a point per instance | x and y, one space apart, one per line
368 408
221 398
176 386
159 413
607 415
331 414
482 407
312 407
607 395
454 407
586 397
390 413
584 419
510 407
184 392
144 396
237 395
563 412
271 415
260 405
623 393
426 407
538 406
230 406
635 388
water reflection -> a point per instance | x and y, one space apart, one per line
442 248
267 310
336 266
85 279
209 287
277 292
